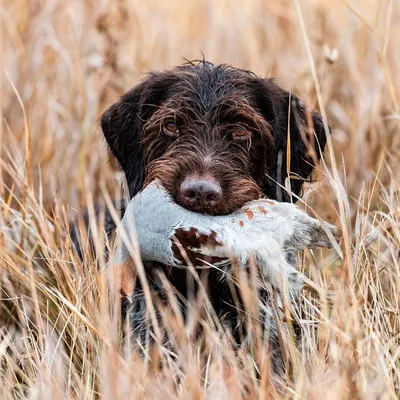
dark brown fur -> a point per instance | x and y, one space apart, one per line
208 104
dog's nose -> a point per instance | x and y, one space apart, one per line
200 194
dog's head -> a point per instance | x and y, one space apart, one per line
215 136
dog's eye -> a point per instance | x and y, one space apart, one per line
240 133
170 128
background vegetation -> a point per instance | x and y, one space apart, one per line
63 63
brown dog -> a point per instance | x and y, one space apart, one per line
215 137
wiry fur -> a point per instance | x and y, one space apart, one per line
206 102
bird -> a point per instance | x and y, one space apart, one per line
264 231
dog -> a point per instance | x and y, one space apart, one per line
215 137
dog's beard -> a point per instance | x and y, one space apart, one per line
236 189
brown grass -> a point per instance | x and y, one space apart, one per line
63 62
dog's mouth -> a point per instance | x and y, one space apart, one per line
218 209
211 192
211 197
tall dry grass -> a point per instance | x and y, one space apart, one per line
63 63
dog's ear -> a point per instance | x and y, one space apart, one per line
289 166
123 122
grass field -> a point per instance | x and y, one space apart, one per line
63 63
